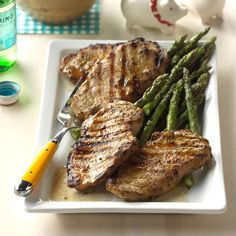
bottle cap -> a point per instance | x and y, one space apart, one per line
9 92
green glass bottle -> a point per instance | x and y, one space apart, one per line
7 34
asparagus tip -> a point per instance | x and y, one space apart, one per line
207 29
188 181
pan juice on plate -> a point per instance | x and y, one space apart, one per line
7 34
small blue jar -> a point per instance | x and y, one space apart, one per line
9 92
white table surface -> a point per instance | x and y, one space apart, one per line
18 125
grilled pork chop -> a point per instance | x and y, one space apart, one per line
77 65
107 140
124 74
165 159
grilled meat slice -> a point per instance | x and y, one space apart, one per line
122 75
165 159
107 140
77 65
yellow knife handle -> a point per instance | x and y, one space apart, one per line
36 169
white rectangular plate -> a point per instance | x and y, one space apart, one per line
207 196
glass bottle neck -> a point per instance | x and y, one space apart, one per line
4 3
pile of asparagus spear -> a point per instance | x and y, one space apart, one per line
175 98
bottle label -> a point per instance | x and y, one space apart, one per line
8 28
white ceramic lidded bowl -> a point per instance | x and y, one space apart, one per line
56 11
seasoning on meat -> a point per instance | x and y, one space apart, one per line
78 65
165 159
107 140
124 74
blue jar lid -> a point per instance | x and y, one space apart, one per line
9 92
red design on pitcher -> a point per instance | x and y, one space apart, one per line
157 15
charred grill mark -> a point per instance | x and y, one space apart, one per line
82 145
112 57
103 132
136 82
87 151
87 136
99 78
123 72
106 128
200 155
121 80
